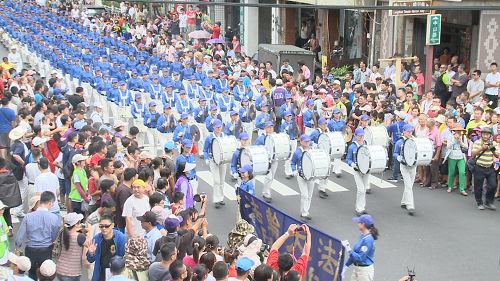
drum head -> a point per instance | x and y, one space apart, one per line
368 136
363 159
347 132
306 166
216 151
195 132
410 152
269 144
245 157
324 143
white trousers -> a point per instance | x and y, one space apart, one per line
322 183
306 193
27 192
194 184
218 172
248 127
408 174
308 130
336 166
288 162
268 180
362 183
364 273
201 142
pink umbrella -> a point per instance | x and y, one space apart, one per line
216 41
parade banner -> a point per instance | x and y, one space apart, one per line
326 259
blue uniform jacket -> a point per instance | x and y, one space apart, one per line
363 251
308 118
248 186
396 129
261 120
297 159
186 158
286 127
234 160
166 128
336 126
185 129
207 147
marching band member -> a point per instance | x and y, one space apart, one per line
362 180
176 81
183 130
239 90
262 99
193 89
322 128
288 106
212 117
246 179
151 117
262 118
187 157
222 82
234 126
167 123
123 96
218 171
138 108
247 114
408 173
208 93
155 89
364 121
308 116
226 104
183 104
201 114
268 181
168 96
306 187
336 124
289 127
244 142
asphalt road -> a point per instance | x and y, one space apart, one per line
447 240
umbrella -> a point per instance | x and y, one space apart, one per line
216 41
199 34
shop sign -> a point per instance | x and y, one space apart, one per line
412 7
433 34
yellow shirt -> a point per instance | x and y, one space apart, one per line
6 66
473 124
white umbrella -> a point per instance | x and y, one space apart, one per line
199 34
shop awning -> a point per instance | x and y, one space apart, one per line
336 2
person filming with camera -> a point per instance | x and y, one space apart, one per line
483 152
284 263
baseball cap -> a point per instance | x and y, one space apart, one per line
233 112
336 110
117 263
246 168
244 136
22 262
310 102
217 123
72 219
268 123
38 141
173 221
184 116
408 128
2 205
364 117
336 82
138 95
321 121
78 158
263 103
359 132
170 145
305 137
244 264
288 113
152 103
148 217
187 143
48 268
366 219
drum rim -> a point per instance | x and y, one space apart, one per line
416 152
369 161
238 163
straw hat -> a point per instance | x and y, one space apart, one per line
17 133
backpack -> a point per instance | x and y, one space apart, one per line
165 239
56 250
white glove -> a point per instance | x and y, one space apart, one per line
286 128
235 175
353 164
346 245
344 269
295 173
206 162
181 134
200 114
231 128
244 114
400 158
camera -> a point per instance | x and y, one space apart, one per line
411 274
300 229
199 197
265 248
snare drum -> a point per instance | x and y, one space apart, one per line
278 146
376 135
417 151
257 157
371 159
315 164
333 143
223 148
197 132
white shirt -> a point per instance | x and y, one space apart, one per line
183 20
133 208
32 171
492 79
48 181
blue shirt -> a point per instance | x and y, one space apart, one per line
396 129
207 147
185 130
7 116
296 159
336 126
351 153
234 160
397 148
186 158
308 118
248 186
287 127
363 251
40 229
151 238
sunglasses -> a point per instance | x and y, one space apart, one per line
105 225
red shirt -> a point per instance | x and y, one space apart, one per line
191 17
94 160
300 266
215 32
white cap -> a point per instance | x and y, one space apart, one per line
38 141
48 268
119 123
2 205
336 82
98 105
53 72
72 219
400 114
78 157
22 262
279 82
189 167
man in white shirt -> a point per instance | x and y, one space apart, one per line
15 58
96 116
135 206
47 181
475 86
492 85
183 21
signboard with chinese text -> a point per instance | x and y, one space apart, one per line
433 34
326 258
412 7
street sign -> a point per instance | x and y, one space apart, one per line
433 34
412 7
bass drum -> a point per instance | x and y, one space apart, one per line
377 135
197 132
223 148
333 143
257 157
315 164
278 146
418 151
371 159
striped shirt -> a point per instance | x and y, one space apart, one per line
70 261
486 159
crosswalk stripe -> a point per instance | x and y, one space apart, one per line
206 176
335 187
278 187
373 179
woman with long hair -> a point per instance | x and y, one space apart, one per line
200 273
71 242
198 244
362 254
183 185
